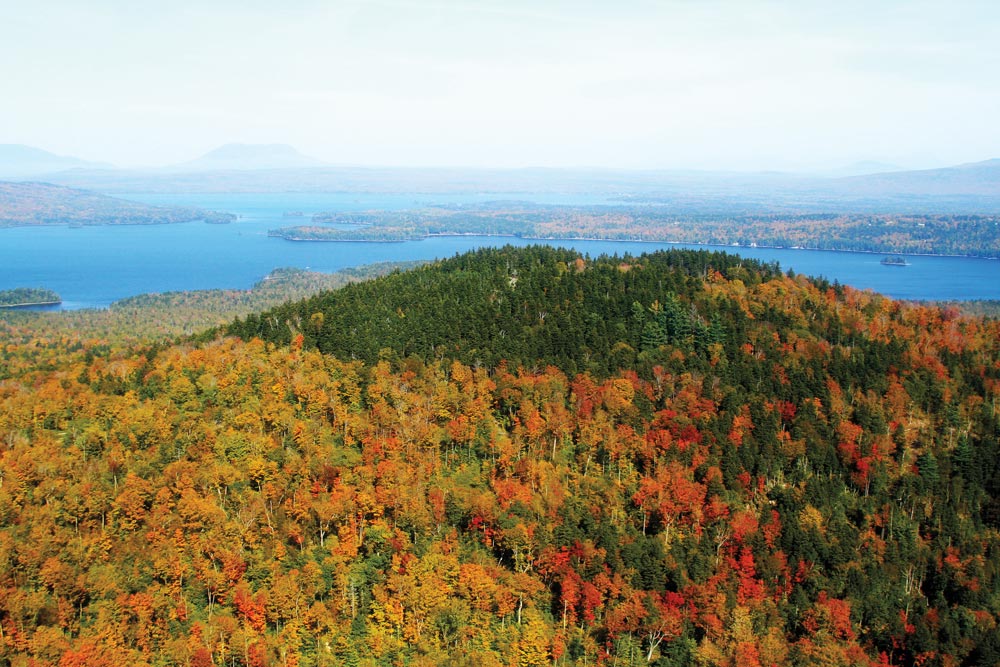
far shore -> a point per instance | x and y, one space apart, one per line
31 304
731 246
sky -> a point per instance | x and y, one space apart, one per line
671 84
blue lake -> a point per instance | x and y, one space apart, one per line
94 266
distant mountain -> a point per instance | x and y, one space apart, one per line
862 168
19 161
971 188
250 157
45 204
976 178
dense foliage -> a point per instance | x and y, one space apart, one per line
974 235
525 307
983 307
533 458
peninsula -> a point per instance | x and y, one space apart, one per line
31 204
21 297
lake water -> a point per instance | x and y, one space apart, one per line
94 266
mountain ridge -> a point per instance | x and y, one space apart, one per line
971 178
763 190
20 160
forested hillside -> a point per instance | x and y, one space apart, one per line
168 316
513 457
46 204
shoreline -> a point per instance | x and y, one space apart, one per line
749 247
76 225
298 239
653 241
85 225
31 304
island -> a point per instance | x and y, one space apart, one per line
371 235
22 297
219 218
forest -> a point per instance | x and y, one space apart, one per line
970 235
513 457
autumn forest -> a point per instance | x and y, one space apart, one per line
513 457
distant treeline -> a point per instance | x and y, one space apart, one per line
971 235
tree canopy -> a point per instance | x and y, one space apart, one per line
513 457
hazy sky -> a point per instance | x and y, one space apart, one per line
739 84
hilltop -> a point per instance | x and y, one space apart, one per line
19 161
514 456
